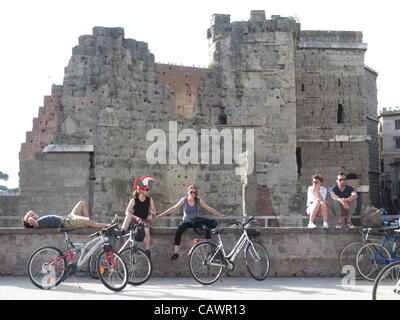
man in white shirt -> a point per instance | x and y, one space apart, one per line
316 201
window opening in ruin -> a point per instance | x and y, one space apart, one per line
340 114
222 118
397 124
397 142
352 176
298 160
338 82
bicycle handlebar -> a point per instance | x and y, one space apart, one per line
243 224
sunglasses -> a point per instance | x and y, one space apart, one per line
193 192
146 189
341 179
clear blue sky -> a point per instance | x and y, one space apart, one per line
37 39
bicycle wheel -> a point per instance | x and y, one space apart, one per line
205 263
257 260
112 270
92 263
387 283
47 267
348 256
371 259
138 264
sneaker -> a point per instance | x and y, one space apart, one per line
311 225
325 225
350 225
339 225
174 256
148 253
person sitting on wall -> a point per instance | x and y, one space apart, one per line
316 201
344 200
138 209
78 218
190 205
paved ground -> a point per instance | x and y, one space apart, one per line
186 288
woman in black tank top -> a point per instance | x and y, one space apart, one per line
138 210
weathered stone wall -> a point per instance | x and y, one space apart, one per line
251 86
332 106
293 251
54 182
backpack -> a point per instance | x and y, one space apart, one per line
200 223
139 232
371 218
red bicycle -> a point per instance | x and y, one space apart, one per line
49 266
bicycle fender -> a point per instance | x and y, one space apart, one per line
196 245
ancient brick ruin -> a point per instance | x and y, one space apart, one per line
307 94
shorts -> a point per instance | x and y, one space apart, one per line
75 219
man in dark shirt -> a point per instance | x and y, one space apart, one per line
78 218
344 200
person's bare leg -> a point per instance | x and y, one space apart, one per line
324 211
176 249
147 239
315 211
127 222
97 225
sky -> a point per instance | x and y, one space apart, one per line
37 38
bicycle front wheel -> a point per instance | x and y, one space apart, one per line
387 283
206 263
371 259
138 264
92 263
112 270
47 267
257 260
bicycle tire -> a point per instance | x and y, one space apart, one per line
371 259
257 260
40 274
386 285
92 264
348 256
202 270
138 264
108 273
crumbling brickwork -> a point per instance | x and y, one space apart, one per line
305 94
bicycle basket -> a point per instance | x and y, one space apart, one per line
253 233
138 231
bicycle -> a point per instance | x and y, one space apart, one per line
138 263
48 266
207 259
373 257
387 283
349 252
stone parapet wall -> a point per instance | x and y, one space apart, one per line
294 252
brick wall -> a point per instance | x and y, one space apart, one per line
183 83
43 126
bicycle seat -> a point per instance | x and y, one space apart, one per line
66 229
217 231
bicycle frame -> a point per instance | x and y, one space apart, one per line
387 243
98 242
